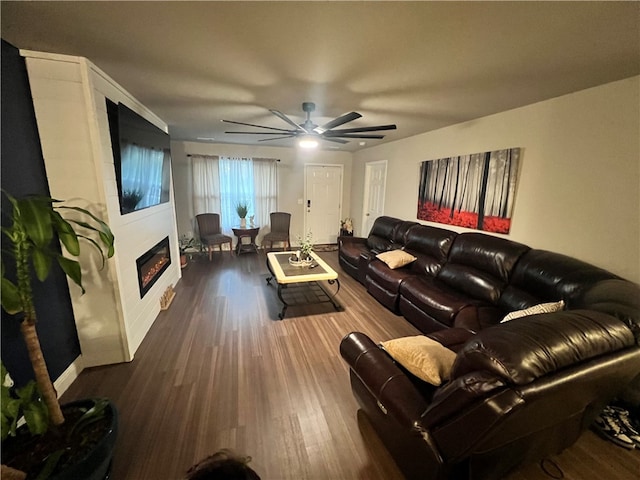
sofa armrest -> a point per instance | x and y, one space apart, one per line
343 239
388 384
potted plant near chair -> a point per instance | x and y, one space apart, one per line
58 441
186 244
242 209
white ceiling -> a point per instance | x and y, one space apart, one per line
420 65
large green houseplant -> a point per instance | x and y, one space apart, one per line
27 242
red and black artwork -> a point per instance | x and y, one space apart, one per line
474 191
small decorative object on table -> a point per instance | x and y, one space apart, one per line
346 227
302 257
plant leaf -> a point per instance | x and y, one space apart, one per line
66 234
10 297
106 237
95 244
33 408
10 414
72 269
41 263
36 417
35 216
50 464
95 413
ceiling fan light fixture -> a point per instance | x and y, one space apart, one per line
308 141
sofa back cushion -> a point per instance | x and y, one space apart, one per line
400 231
430 245
616 297
525 349
381 235
480 265
542 276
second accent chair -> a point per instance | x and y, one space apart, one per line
280 222
211 232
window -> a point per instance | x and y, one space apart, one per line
220 183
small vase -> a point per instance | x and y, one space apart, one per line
243 222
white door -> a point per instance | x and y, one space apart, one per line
323 192
375 175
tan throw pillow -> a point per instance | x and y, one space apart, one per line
396 258
422 356
541 308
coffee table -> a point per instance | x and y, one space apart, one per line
301 285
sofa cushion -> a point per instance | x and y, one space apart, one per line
400 231
350 251
435 299
548 276
387 278
430 245
422 356
541 344
493 255
396 258
536 309
480 265
381 234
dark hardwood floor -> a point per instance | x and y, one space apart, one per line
219 370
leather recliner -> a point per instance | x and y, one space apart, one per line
518 392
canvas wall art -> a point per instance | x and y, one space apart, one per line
474 191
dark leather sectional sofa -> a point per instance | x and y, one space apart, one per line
518 391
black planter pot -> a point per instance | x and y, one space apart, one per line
96 465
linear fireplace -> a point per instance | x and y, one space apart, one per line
151 264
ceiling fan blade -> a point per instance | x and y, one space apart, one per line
351 135
275 138
336 122
253 125
362 129
263 133
334 140
283 117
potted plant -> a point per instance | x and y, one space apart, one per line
306 247
34 222
131 199
242 209
185 244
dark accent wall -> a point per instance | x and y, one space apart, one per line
23 172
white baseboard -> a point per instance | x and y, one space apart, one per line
64 381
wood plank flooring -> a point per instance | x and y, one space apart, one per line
219 370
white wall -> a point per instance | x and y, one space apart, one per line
579 185
290 177
69 100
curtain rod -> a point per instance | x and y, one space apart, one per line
204 155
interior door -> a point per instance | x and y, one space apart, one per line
323 191
374 187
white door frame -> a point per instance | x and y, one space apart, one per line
305 190
365 200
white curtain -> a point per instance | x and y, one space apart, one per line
220 183
265 184
206 184
143 173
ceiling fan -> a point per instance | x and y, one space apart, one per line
310 129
